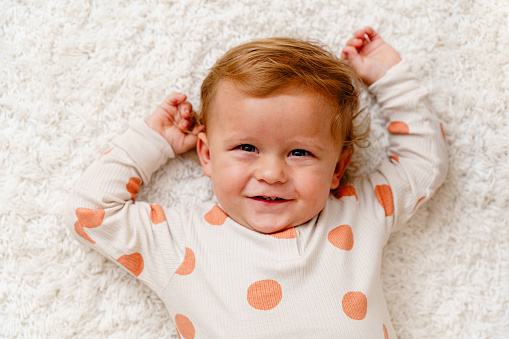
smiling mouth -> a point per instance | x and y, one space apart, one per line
265 198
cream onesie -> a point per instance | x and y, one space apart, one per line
219 279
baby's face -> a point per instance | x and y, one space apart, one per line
273 160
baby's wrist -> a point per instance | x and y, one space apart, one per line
152 123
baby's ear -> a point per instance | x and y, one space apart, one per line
342 164
202 148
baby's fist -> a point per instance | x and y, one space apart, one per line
369 55
174 121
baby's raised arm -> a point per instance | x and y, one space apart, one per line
103 212
416 163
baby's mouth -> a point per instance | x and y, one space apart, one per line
266 198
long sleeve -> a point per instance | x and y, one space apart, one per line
417 163
103 212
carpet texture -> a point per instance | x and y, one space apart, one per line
74 73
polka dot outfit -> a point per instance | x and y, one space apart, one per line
219 279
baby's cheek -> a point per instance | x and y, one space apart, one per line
228 178
229 182
315 190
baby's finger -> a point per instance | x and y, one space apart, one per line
185 112
185 109
349 53
188 118
367 34
352 42
184 124
371 33
197 129
359 34
169 106
175 99
191 125
356 43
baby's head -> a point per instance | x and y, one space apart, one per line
279 127
263 67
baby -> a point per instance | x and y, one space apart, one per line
292 249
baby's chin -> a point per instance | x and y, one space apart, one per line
269 222
271 229
262 228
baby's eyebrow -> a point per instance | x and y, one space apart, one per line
314 146
237 139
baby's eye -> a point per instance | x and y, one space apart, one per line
247 148
299 153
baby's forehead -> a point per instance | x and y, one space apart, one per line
232 97
239 91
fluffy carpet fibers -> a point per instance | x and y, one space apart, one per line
74 73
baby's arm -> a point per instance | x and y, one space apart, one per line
103 211
417 156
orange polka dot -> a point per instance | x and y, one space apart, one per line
395 157
264 295
216 216
88 218
398 127
421 199
184 326
133 186
346 191
289 233
341 237
81 232
384 197
157 214
133 262
187 266
355 305
386 334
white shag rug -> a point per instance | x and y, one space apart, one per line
74 73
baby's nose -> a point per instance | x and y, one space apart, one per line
271 170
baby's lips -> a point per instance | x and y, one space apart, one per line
270 197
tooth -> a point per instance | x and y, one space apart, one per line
269 198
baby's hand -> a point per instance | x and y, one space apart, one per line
173 119
370 57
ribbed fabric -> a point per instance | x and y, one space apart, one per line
219 279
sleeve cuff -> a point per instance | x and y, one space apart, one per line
145 147
398 81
